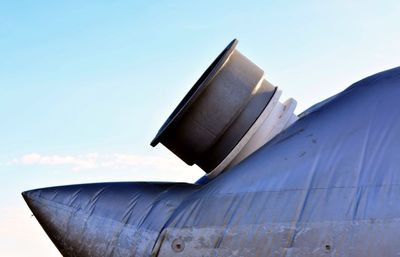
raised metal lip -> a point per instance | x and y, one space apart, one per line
196 90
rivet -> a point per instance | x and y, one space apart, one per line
178 245
328 248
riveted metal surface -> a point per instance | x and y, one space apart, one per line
329 185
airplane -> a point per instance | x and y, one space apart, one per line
322 183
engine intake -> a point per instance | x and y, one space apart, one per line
229 113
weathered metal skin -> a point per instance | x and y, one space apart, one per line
329 185
106 219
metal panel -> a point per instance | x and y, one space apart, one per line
329 185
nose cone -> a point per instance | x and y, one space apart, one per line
107 219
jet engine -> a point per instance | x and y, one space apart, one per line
230 112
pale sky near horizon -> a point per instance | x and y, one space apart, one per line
85 85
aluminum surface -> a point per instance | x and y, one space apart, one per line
329 185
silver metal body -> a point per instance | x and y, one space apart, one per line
329 185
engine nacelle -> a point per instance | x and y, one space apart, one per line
229 113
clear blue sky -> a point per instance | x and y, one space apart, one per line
85 85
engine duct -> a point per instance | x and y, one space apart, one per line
229 113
